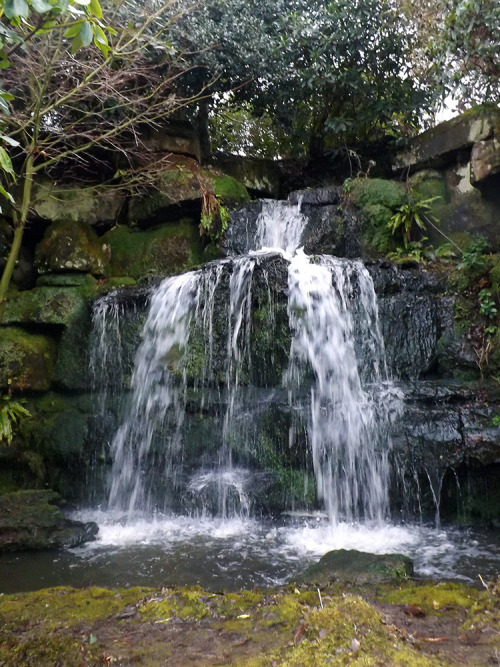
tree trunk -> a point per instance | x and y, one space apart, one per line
202 128
19 224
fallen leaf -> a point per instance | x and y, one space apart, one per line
243 616
300 631
413 610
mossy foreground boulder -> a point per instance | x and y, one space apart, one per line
33 520
190 626
356 567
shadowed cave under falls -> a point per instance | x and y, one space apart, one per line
244 413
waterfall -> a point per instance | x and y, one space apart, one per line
156 394
348 422
336 377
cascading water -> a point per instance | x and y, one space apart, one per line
336 347
156 397
348 425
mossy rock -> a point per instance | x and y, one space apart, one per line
44 305
166 250
369 191
183 182
59 433
26 360
33 520
231 192
70 246
86 205
85 281
356 567
378 199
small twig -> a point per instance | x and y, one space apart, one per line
320 600
483 581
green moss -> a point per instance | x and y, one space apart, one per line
232 192
174 626
26 360
169 249
370 191
187 604
45 305
56 607
378 200
434 597
484 614
428 184
69 245
494 274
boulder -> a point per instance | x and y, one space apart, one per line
164 250
90 205
261 176
176 136
356 567
440 145
70 246
44 305
33 520
26 360
316 196
178 188
485 163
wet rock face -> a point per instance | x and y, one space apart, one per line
329 228
33 520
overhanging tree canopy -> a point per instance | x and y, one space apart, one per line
64 97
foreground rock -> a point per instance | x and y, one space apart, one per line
356 567
33 520
427 625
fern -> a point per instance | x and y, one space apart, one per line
11 413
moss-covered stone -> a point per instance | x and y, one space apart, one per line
44 305
33 520
166 250
26 360
368 191
230 191
356 567
183 181
86 205
439 144
83 280
58 433
70 245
